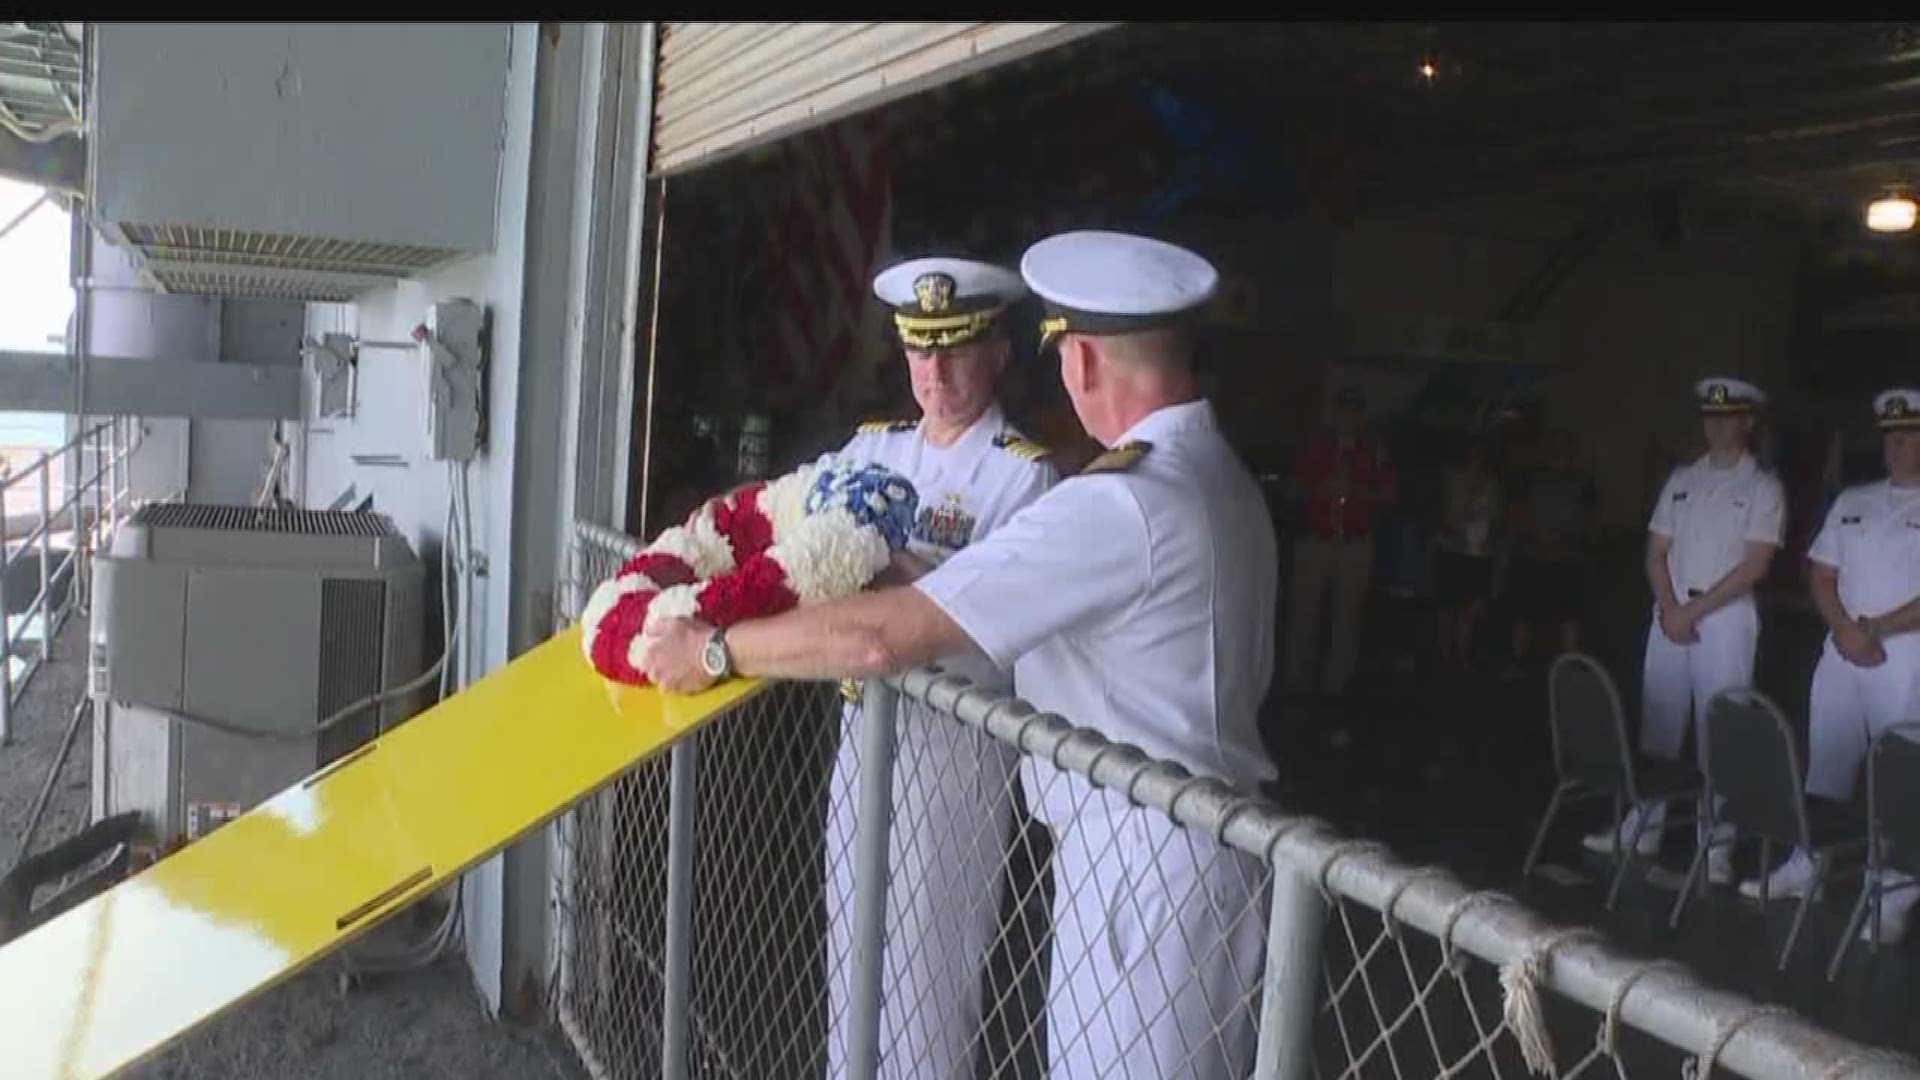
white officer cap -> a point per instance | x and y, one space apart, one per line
1114 283
942 302
1721 396
1895 410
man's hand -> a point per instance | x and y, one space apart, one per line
903 568
1855 640
1678 624
671 656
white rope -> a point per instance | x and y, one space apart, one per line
1526 1016
1610 1030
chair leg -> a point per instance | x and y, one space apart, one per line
1626 854
1694 869
1800 912
1546 824
1854 919
1766 871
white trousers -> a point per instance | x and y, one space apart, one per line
952 808
1679 680
1849 706
1159 942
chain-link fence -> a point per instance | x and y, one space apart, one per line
977 890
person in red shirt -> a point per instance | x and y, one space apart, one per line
1347 482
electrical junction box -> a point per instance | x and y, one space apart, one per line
456 370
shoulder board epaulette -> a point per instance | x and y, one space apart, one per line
887 427
1117 460
1020 446
850 691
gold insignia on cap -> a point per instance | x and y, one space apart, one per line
1897 408
1717 393
1117 460
934 291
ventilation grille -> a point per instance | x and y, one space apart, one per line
262 519
275 251
352 614
213 261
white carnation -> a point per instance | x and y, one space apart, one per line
679 602
605 596
830 556
784 501
699 545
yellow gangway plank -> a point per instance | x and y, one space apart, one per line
119 977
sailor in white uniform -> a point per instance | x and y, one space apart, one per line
1714 532
952 786
1136 598
1865 576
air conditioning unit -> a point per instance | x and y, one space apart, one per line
223 635
292 161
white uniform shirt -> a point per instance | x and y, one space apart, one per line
1872 536
967 490
1137 602
1711 515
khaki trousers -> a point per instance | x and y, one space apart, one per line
1346 566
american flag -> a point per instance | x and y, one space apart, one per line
828 231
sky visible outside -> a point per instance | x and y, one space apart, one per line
35 300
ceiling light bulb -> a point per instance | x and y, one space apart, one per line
1428 70
1894 213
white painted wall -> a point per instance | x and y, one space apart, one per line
520 467
127 320
227 459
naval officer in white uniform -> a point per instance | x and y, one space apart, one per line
1865 577
1137 598
1714 532
952 786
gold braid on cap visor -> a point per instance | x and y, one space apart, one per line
943 331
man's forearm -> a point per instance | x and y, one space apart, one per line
1736 583
1904 619
1826 597
1659 578
863 636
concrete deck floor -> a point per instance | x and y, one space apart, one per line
419 1025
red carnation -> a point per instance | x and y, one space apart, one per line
745 526
662 568
755 590
617 631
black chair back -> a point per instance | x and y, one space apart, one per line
1751 760
1893 793
1589 729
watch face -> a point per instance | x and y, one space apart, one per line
715 658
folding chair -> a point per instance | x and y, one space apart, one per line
1893 829
1753 763
1592 758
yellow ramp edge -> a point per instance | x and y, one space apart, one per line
116 979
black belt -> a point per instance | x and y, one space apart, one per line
1691 593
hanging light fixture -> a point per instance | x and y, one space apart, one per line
1893 212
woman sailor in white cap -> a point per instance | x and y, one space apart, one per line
952 785
1136 598
1865 575
1714 531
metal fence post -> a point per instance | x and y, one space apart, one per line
6 616
677 1010
76 479
46 557
1290 994
879 709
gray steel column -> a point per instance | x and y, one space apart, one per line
1291 990
677 1012
880 707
